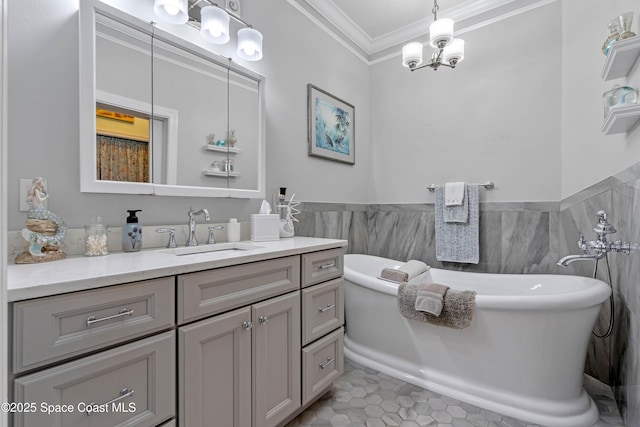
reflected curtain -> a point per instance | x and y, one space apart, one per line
122 159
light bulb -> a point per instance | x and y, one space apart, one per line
171 9
249 49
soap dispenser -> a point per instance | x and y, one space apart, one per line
233 230
132 233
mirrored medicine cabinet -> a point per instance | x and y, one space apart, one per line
160 115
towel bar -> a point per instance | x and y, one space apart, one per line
488 185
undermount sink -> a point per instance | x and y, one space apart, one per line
216 247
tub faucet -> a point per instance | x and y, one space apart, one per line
597 249
191 240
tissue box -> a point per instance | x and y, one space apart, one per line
265 227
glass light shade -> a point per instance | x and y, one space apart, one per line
214 27
412 53
441 32
454 52
249 44
172 11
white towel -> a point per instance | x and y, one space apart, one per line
458 213
454 193
458 242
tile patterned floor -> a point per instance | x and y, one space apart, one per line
362 397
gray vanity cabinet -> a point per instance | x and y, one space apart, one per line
241 367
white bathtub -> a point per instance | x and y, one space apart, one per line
523 355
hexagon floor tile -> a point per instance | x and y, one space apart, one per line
362 397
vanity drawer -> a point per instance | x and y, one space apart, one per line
321 266
322 309
322 362
131 385
211 292
54 328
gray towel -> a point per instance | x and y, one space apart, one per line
458 213
430 298
394 275
458 242
457 310
405 272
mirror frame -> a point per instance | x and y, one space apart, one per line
87 104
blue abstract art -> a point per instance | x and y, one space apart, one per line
331 126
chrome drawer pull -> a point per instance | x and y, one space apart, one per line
327 265
124 312
247 325
124 393
329 361
264 320
327 308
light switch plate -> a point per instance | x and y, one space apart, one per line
25 185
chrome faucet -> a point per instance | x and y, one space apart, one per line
597 249
191 240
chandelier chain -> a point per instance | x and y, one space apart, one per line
435 10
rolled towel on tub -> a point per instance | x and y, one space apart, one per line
430 298
405 272
457 310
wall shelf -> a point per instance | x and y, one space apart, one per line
218 149
221 174
621 119
621 58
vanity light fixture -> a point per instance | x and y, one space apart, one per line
449 51
213 25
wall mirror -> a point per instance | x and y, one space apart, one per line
160 115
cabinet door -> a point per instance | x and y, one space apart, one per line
276 347
215 371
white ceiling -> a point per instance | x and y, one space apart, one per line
373 27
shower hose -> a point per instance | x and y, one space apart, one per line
611 303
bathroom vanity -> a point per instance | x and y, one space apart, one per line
245 337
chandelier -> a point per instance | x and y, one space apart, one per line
213 25
448 51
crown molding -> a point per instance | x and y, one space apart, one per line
477 13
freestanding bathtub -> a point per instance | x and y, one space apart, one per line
523 355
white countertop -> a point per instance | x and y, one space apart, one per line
26 281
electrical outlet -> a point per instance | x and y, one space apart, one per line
25 185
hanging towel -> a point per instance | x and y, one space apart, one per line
457 311
430 298
457 213
458 242
454 193
405 272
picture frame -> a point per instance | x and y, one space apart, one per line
331 126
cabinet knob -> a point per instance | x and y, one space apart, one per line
247 325
264 320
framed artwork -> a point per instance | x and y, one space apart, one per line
331 124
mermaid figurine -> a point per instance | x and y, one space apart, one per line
44 230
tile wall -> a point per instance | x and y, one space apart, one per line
521 238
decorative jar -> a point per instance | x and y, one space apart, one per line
95 239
